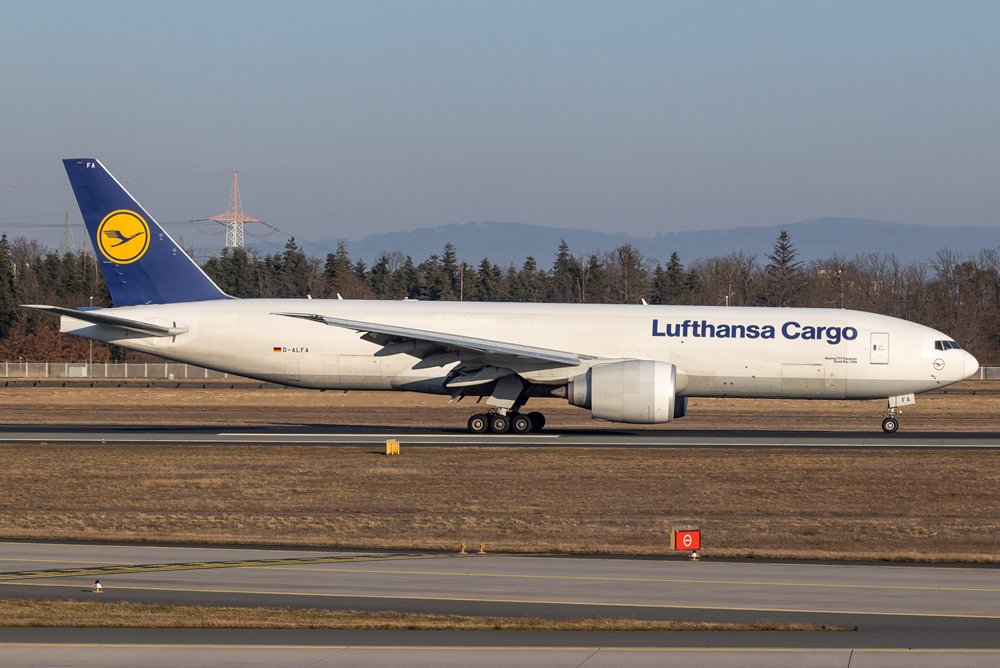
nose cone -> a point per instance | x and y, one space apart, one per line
971 365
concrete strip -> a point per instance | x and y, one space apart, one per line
410 437
170 656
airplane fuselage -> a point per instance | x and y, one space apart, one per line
718 351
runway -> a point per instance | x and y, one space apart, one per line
409 437
151 655
878 607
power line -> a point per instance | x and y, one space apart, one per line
28 226
298 203
13 187
175 178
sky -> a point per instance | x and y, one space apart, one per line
352 118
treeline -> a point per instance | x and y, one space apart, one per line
31 274
620 276
958 295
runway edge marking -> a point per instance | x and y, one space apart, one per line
16 576
455 599
518 648
595 578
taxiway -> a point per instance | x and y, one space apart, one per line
930 607
409 436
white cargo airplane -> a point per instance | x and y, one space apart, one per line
635 364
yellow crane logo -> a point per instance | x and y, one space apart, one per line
123 236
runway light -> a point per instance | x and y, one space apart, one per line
482 548
462 550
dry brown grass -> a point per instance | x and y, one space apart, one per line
938 505
83 614
906 504
251 407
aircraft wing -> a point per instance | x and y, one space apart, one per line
427 343
99 317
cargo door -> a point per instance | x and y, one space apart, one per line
880 348
835 385
802 380
359 371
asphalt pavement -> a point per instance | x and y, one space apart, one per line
876 606
416 437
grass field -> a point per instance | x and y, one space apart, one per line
968 406
83 614
897 504
860 504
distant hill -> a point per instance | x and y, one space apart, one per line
506 243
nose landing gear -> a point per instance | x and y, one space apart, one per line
890 424
893 409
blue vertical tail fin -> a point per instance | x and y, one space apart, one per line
140 262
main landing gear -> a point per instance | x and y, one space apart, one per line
498 423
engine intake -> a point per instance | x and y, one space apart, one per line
634 391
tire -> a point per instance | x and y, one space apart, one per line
499 424
478 424
537 421
521 424
890 425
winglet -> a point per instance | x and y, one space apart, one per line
140 262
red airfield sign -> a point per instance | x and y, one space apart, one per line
686 540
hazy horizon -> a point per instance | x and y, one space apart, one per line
349 119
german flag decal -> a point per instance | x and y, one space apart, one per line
277 349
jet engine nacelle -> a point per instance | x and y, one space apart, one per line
636 391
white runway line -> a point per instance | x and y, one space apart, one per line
394 435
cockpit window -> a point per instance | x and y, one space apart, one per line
946 345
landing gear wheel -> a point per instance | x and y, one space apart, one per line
479 423
499 424
537 420
521 424
890 425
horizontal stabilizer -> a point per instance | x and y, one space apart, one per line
99 317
